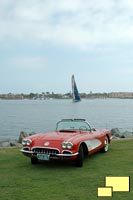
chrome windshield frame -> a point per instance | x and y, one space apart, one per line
73 120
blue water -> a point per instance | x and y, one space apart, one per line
42 115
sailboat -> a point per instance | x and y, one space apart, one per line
75 94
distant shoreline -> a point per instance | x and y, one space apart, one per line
48 95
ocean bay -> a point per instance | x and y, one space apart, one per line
42 115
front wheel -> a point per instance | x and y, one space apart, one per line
106 145
80 158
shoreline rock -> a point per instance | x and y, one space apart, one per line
9 143
15 142
116 133
22 135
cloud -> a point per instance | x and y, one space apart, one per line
78 23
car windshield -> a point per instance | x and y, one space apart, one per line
72 125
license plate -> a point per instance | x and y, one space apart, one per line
43 156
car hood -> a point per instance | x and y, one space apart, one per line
54 136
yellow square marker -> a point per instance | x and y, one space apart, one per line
104 191
119 184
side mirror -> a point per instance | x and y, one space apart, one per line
93 129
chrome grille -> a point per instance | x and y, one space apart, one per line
51 152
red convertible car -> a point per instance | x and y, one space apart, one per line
72 140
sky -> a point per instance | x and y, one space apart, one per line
44 42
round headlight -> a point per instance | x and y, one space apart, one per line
69 145
29 142
64 145
24 142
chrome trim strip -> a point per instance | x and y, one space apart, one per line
67 155
25 151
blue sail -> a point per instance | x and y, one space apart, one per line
75 93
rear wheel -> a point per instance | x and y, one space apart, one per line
34 161
80 158
106 145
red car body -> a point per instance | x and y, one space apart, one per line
72 140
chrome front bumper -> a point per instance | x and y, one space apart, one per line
62 155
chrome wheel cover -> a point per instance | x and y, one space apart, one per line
106 144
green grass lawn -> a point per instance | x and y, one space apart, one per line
19 180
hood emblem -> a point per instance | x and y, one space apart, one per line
46 144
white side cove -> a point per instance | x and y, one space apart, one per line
92 144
